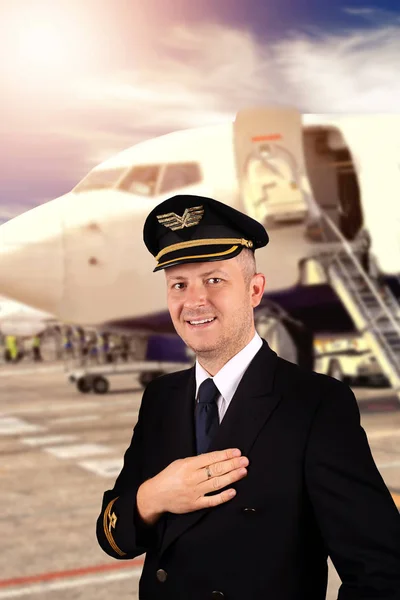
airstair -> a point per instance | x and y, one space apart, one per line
372 306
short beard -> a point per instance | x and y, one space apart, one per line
228 345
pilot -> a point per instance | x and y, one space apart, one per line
246 471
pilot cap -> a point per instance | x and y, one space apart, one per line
186 229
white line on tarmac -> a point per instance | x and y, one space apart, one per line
53 406
122 401
63 420
50 407
383 433
49 439
77 450
130 414
10 425
42 588
105 467
389 465
31 371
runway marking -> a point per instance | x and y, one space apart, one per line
12 425
130 414
105 467
77 450
383 433
42 588
78 419
10 372
54 407
59 580
379 406
49 439
389 465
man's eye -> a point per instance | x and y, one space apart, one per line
176 286
215 279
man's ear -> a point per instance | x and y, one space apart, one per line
257 289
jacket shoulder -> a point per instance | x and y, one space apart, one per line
175 379
290 376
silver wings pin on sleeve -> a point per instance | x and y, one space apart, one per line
191 216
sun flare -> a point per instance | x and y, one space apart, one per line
45 43
42 46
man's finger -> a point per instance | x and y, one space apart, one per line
204 460
220 468
216 499
217 483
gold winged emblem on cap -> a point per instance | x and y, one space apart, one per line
191 216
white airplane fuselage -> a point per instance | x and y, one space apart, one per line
82 258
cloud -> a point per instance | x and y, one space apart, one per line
203 75
373 14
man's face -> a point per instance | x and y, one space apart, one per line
215 292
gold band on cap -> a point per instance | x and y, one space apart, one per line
205 242
232 249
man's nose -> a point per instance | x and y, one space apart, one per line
195 295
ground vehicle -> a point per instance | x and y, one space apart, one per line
348 359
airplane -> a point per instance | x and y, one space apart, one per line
21 320
319 183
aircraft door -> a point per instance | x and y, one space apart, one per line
270 165
349 209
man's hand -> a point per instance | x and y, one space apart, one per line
182 486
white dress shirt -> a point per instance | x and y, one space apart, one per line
228 378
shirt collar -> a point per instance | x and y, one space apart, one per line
228 377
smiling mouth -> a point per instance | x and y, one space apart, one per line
200 323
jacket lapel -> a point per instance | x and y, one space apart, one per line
178 420
250 408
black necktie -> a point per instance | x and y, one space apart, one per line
206 415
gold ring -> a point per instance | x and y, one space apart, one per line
208 472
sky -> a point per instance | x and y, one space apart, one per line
85 79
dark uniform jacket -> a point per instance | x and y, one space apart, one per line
312 490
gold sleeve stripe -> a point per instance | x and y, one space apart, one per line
232 249
107 529
205 242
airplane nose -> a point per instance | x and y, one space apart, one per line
31 263
81 258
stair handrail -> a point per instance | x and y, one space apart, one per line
350 252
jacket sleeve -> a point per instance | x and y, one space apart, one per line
355 512
120 531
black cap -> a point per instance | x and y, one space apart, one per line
186 228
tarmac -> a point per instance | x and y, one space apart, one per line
60 450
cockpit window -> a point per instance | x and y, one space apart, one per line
100 179
141 180
179 176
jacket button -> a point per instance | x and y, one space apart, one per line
162 575
217 595
249 511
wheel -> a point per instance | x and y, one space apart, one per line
147 376
84 385
100 385
335 370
